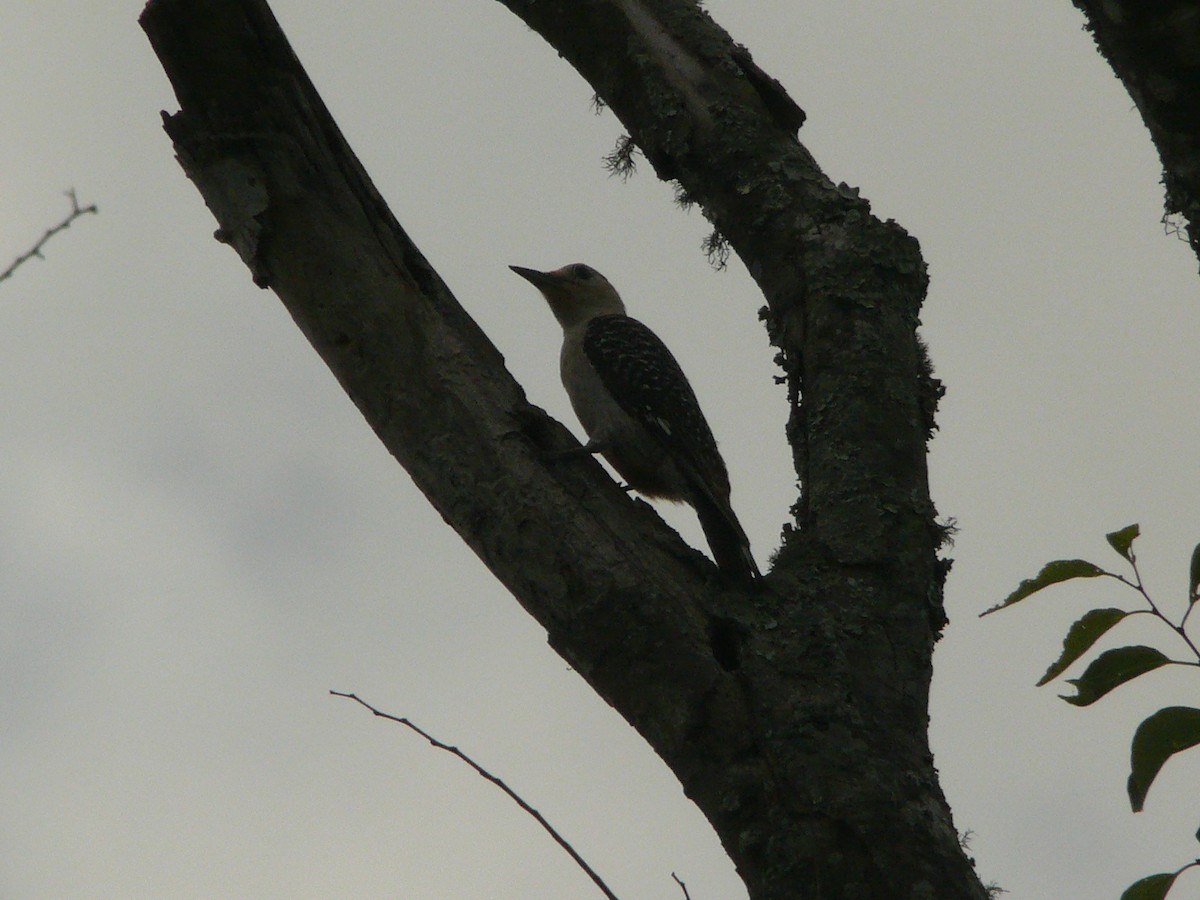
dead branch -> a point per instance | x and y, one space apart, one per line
513 795
36 250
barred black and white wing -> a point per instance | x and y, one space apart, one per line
645 380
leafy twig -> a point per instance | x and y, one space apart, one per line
562 842
1179 629
36 250
1160 736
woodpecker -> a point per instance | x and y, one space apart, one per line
638 409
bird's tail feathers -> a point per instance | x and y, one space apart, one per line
726 538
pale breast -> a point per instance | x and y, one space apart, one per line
636 455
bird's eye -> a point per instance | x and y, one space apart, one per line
579 270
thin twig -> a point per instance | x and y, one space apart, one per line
36 250
1178 629
562 842
682 886
1192 601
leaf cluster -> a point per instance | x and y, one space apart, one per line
1160 736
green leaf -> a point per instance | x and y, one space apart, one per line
1080 637
1156 740
1121 540
1194 574
1112 669
1152 887
1052 573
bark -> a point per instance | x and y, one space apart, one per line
1154 48
793 714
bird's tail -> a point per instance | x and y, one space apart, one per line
726 538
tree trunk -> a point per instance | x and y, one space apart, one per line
794 714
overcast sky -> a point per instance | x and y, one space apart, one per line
200 537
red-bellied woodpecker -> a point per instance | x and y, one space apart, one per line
638 408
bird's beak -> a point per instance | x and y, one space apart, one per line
538 279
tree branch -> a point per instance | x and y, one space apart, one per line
794 715
498 782
622 597
1153 48
36 249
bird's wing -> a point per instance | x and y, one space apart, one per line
643 377
646 381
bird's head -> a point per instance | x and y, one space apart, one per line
576 293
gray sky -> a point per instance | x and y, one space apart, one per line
199 536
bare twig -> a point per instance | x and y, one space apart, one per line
682 886
562 842
36 250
